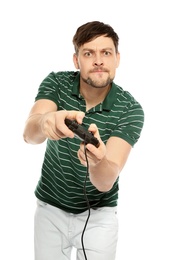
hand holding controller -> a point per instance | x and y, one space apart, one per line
83 134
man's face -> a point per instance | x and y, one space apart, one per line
97 61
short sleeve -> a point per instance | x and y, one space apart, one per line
130 124
49 88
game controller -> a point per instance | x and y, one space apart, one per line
83 134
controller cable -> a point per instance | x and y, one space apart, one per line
88 204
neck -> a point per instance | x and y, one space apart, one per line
93 96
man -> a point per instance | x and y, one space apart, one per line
66 198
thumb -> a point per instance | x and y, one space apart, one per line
94 130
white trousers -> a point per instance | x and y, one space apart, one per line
57 232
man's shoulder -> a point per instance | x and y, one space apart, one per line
124 95
61 75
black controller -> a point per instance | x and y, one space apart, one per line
84 135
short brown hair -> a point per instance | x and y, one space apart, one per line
91 30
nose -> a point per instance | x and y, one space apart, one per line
98 63
98 60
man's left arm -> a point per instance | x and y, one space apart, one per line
105 162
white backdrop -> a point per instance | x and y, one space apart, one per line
36 38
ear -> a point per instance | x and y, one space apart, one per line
118 59
75 60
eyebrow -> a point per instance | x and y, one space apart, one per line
104 49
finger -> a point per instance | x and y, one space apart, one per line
94 130
66 131
82 158
76 115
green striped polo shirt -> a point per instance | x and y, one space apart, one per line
62 176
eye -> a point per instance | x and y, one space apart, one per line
107 53
87 54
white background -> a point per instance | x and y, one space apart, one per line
36 38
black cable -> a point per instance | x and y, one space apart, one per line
88 204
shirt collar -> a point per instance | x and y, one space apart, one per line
109 99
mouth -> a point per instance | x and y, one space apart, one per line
98 70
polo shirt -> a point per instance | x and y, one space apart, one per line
62 180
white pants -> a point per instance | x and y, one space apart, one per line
57 232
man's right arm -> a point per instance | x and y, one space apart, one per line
45 121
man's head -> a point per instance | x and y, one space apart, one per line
91 30
96 53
